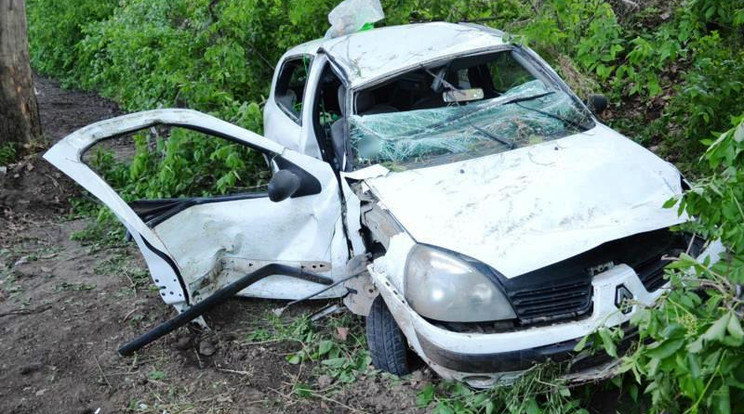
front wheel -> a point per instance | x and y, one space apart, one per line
386 341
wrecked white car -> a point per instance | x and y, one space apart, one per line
444 181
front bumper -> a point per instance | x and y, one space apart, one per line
484 359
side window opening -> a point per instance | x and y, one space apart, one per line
171 162
290 86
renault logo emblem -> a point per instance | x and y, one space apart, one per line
623 298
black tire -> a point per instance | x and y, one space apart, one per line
386 341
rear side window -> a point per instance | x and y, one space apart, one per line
290 86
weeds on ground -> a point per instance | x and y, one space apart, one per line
102 232
120 264
340 346
8 153
539 390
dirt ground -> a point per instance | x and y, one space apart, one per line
66 305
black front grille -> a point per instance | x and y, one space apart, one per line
651 272
563 291
561 301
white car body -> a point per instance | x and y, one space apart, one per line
516 211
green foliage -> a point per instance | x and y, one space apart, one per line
156 375
56 27
8 153
100 233
537 391
689 355
717 200
181 163
340 347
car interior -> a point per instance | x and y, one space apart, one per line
489 74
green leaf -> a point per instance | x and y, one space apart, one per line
670 203
734 328
334 362
533 407
717 331
324 347
664 349
303 390
633 391
426 396
722 398
581 345
607 342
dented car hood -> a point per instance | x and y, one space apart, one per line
527 208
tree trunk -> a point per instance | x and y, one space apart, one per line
19 114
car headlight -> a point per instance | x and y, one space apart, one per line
444 288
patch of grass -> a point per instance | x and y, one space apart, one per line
539 390
120 264
104 232
156 375
8 153
181 400
339 347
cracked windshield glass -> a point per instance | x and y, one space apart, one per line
466 108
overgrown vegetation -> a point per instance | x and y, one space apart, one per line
689 355
7 153
673 70
340 348
690 358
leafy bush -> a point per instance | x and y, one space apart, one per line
56 27
689 357
8 153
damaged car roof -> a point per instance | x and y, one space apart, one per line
363 61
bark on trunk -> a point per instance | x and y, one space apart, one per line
19 113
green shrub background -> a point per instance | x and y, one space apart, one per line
673 71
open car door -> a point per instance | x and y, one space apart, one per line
194 246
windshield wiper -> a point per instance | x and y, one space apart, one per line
526 98
565 121
509 144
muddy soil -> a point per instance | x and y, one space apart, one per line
66 306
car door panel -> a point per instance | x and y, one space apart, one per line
188 244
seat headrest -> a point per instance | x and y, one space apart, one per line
364 102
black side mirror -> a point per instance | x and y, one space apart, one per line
596 103
283 185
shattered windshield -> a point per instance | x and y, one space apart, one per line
464 109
